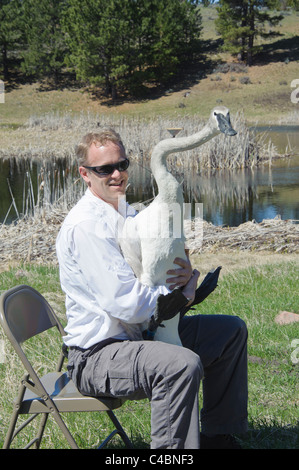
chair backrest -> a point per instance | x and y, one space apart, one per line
24 313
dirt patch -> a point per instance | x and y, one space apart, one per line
285 318
233 261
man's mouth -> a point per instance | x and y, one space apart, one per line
117 185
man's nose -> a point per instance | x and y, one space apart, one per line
116 173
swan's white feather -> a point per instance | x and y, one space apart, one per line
154 237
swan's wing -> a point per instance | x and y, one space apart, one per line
130 245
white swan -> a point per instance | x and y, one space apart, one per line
155 237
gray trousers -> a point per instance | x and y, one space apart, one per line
169 376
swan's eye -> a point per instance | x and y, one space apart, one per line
215 114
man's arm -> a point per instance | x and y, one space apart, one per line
111 281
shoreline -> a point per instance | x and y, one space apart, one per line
54 137
32 240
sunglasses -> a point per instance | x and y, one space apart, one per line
106 170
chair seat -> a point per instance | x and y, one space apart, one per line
66 397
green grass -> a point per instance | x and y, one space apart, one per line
255 294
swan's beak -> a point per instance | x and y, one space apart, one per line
224 124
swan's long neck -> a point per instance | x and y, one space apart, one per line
168 186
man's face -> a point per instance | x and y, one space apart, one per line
108 188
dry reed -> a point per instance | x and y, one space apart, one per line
49 141
54 136
32 239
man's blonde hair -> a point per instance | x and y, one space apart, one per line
97 138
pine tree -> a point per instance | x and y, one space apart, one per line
10 31
118 43
99 37
240 22
46 48
175 35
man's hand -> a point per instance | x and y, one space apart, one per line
190 287
180 276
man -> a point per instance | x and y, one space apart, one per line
102 295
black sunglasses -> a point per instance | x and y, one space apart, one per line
106 170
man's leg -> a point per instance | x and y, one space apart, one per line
166 374
221 343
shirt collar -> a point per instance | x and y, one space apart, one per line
124 208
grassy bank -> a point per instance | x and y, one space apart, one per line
256 294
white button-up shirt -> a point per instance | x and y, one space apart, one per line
101 288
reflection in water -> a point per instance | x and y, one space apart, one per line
26 185
233 197
229 197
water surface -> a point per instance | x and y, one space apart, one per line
228 197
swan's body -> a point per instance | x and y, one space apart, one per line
155 236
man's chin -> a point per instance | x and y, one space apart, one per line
115 198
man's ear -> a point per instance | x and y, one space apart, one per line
85 174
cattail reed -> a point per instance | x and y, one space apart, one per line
45 148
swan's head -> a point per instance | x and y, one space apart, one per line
221 120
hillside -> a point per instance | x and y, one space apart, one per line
262 92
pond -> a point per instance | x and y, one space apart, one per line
228 197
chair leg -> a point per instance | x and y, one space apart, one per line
11 429
41 430
120 430
13 421
63 427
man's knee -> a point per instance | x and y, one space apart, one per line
241 328
190 364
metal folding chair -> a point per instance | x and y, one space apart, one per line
24 313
